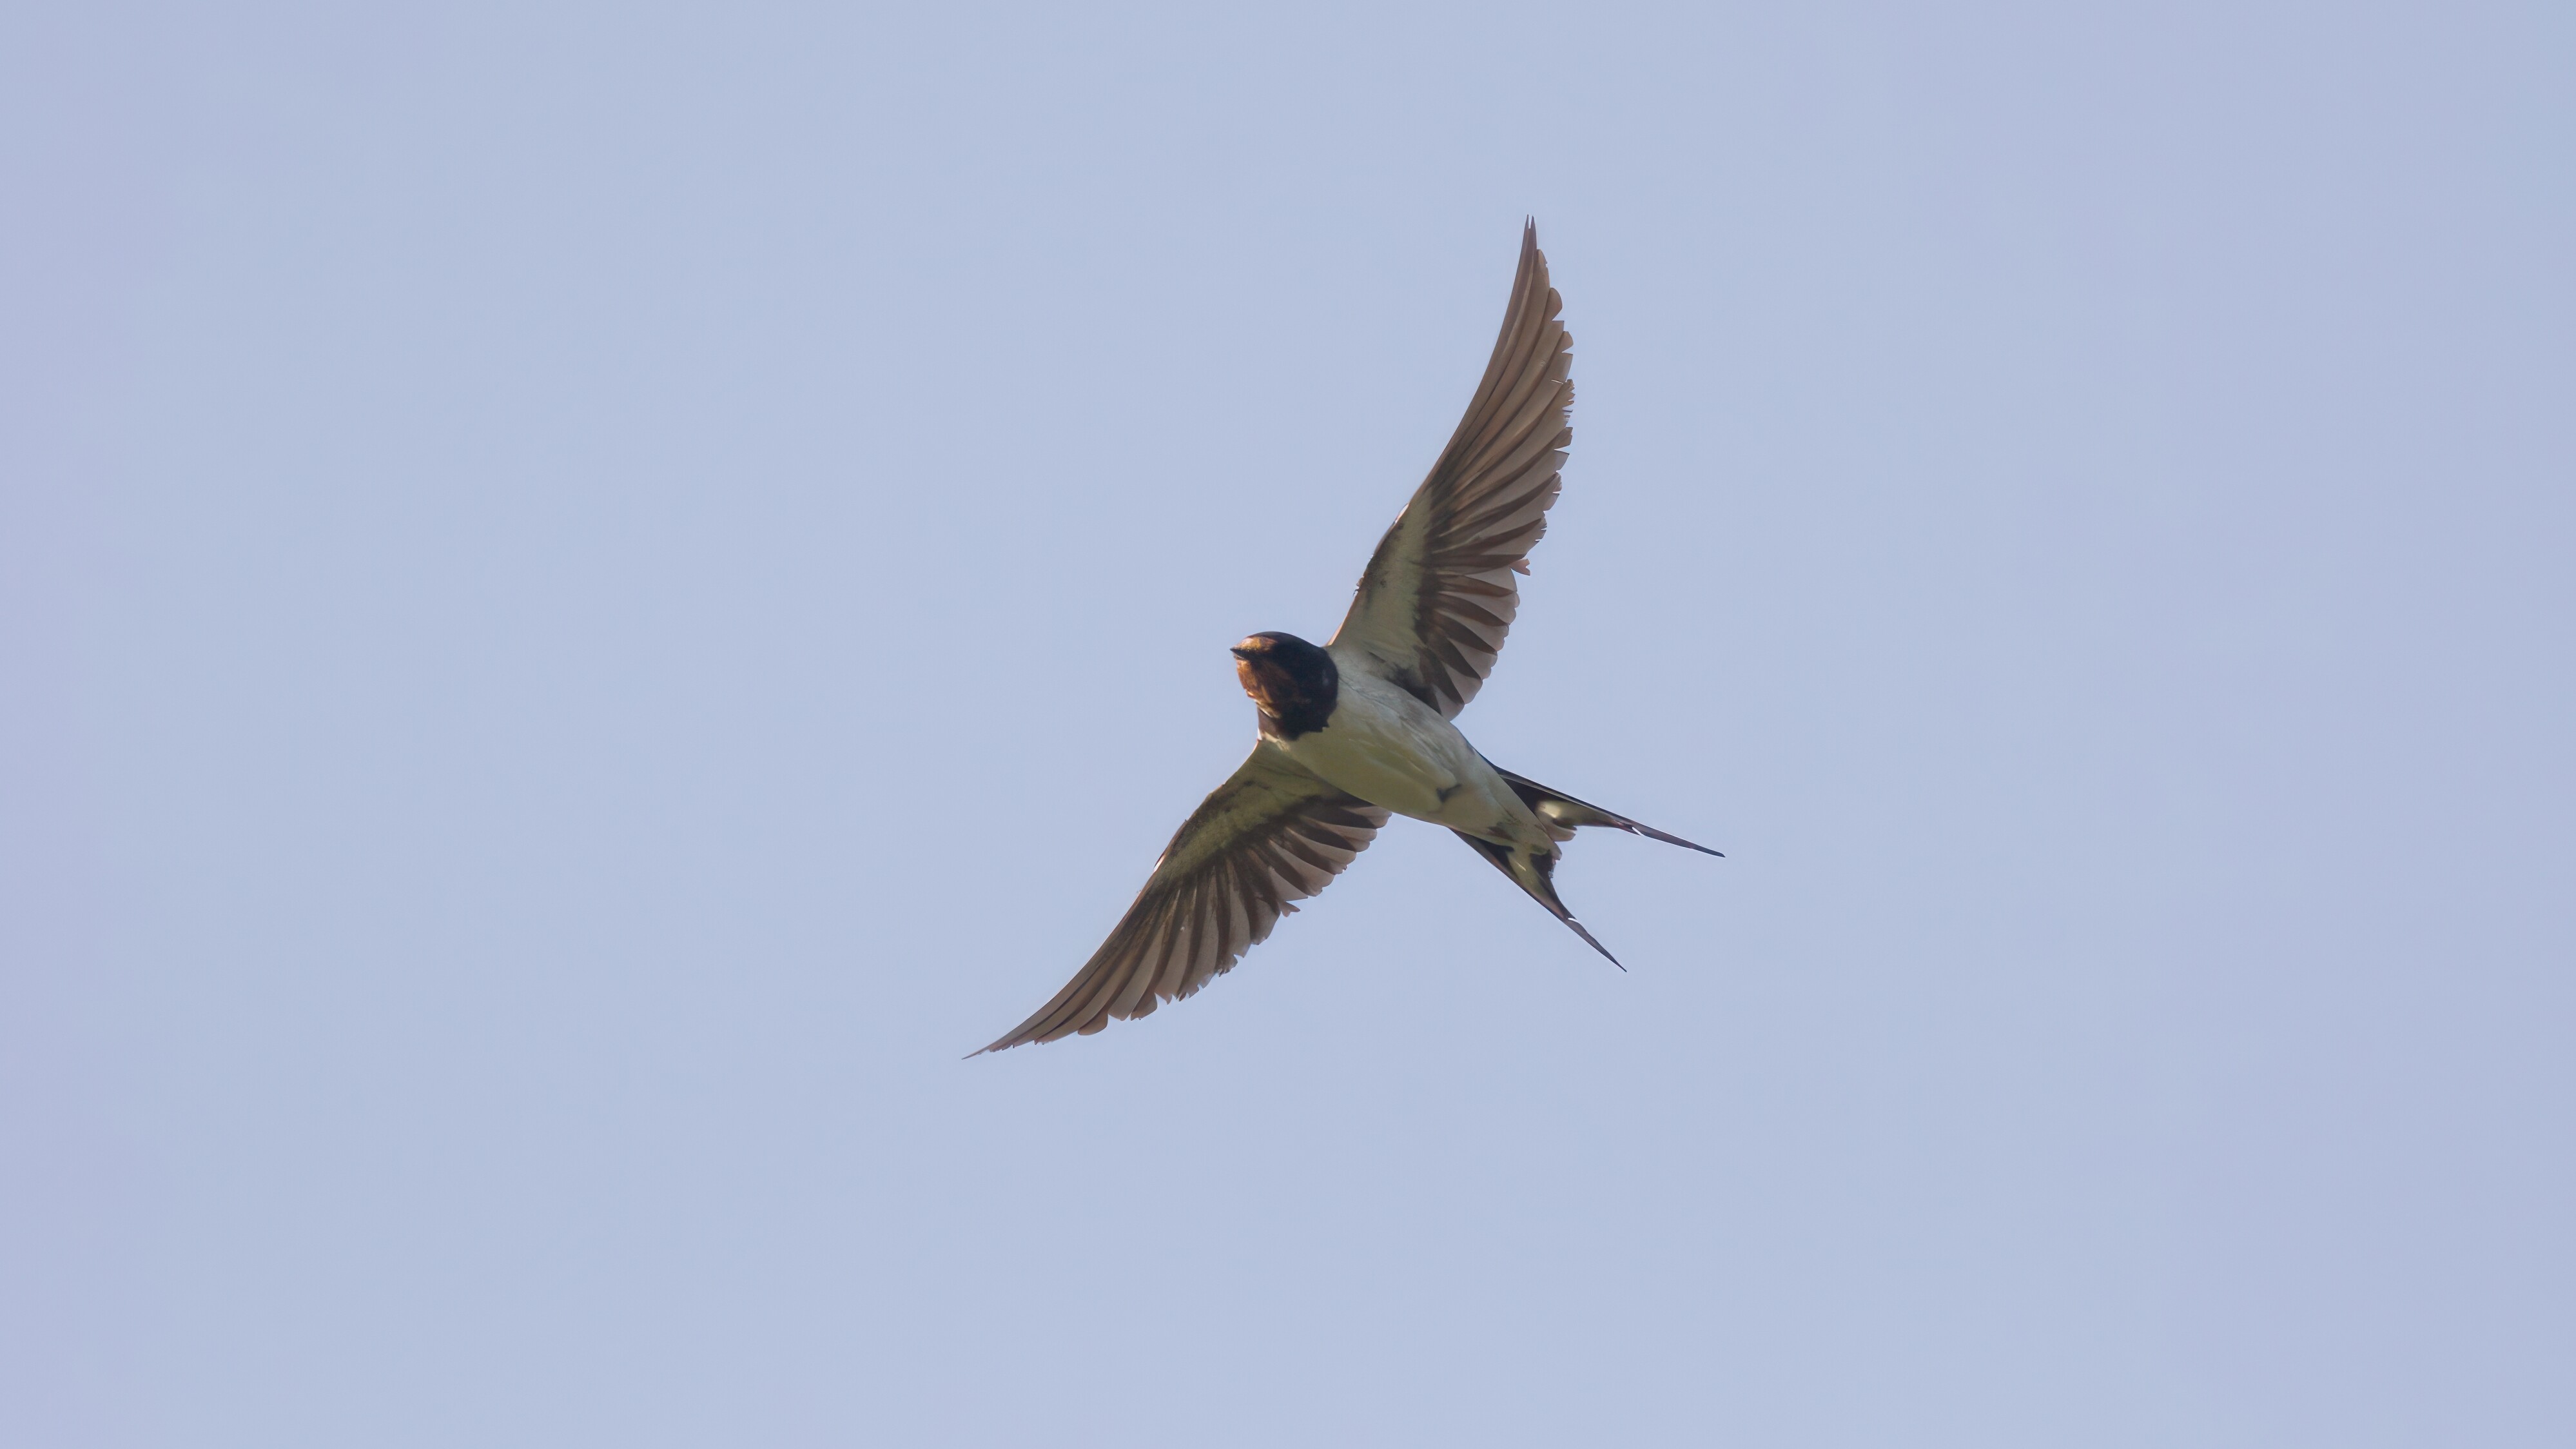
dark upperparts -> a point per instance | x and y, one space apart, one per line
1294 683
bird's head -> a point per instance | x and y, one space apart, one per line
1294 683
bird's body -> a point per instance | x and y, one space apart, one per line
1390 749
1363 726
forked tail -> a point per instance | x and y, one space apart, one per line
1536 874
1562 814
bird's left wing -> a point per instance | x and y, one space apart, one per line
1439 594
1270 835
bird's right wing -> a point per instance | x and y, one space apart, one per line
1270 835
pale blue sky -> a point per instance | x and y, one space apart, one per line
591 596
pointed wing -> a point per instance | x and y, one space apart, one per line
1270 835
1439 593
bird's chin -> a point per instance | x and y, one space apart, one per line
1256 687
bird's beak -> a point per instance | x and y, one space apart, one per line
1239 652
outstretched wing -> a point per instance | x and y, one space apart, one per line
1270 835
1439 593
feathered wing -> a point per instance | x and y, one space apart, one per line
1270 835
1439 594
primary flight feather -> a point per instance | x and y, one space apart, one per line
1360 728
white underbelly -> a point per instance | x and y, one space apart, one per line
1409 760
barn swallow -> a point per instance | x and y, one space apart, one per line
1360 728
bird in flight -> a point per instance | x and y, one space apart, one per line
1361 727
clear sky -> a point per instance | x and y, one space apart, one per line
593 595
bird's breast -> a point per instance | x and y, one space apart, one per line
1389 749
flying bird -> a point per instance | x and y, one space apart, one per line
1360 727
